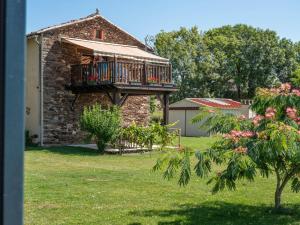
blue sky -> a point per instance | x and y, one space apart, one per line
140 17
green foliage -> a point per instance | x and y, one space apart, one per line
185 50
152 104
165 136
230 61
215 121
141 135
29 139
156 118
296 77
102 125
267 144
149 135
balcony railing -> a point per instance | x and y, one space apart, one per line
121 72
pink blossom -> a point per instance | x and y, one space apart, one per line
291 113
241 150
298 120
248 134
257 119
242 117
211 111
270 113
296 92
271 110
285 87
235 135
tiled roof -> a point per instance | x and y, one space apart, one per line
221 103
89 17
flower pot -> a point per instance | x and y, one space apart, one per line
91 82
168 85
154 84
134 82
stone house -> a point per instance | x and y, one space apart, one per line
88 60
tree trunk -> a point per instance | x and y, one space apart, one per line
239 95
281 183
278 193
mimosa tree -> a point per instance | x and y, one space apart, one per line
267 144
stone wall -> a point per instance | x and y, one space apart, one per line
60 121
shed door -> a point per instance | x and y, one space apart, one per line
193 130
178 115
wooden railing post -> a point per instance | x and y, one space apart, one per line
115 73
144 77
99 72
170 73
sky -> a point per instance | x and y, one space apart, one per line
141 18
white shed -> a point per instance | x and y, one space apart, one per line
184 110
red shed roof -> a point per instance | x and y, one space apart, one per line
221 103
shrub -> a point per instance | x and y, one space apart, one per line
140 135
102 125
29 139
147 136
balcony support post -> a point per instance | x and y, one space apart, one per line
166 109
123 99
116 97
164 100
119 99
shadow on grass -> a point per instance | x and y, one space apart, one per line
66 150
217 213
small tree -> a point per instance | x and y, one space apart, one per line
268 144
102 125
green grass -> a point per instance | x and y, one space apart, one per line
77 186
198 143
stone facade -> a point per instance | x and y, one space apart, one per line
60 121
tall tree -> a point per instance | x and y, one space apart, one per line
249 57
230 61
184 48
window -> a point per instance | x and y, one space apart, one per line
99 34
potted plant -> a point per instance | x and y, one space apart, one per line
153 81
92 79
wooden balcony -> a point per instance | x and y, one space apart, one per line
120 79
133 77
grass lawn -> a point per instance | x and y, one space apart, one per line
198 143
77 186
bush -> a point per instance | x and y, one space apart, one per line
29 139
147 136
102 125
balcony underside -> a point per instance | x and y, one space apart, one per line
123 88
